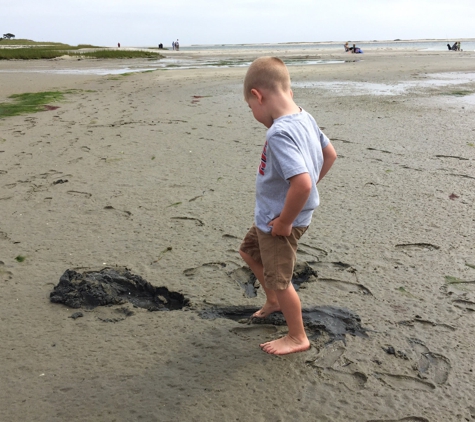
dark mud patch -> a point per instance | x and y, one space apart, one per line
113 286
337 322
302 274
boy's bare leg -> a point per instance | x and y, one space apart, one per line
272 304
296 340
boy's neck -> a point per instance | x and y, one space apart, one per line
282 104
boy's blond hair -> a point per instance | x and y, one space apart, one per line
266 73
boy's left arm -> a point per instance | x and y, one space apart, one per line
297 195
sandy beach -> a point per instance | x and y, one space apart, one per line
155 172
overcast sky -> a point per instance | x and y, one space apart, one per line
149 22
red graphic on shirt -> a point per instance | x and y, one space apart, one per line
262 165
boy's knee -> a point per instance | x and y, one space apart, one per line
248 259
244 255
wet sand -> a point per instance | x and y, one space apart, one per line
155 172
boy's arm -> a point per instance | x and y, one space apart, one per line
329 157
297 195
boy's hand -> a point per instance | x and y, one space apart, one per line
278 228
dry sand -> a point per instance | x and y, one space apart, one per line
150 167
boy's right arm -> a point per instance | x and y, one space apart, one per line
329 157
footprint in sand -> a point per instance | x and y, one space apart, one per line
341 276
406 419
328 355
431 365
246 280
416 247
124 213
5 275
426 324
197 221
233 242
346 286
468 305
462 292
204 269
354 381
310 253
79 194
404 382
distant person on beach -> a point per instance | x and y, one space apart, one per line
455 47
177 45
347 47
173 45
296 155
118 44
356 49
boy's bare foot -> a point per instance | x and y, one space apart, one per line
285 346
266 310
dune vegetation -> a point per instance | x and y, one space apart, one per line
23 49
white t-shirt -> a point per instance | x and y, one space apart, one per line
293 146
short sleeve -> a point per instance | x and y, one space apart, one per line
324 141
287 154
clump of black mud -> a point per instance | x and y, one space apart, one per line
337 322
113 286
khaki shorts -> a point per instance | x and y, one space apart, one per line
277 254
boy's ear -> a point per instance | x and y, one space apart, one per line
257 95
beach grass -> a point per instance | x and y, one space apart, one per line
29 102
23 49
119 54
37 53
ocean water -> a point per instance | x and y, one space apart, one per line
366 45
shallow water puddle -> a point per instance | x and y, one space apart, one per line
168 63
379 89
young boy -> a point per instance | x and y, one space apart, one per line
295 157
